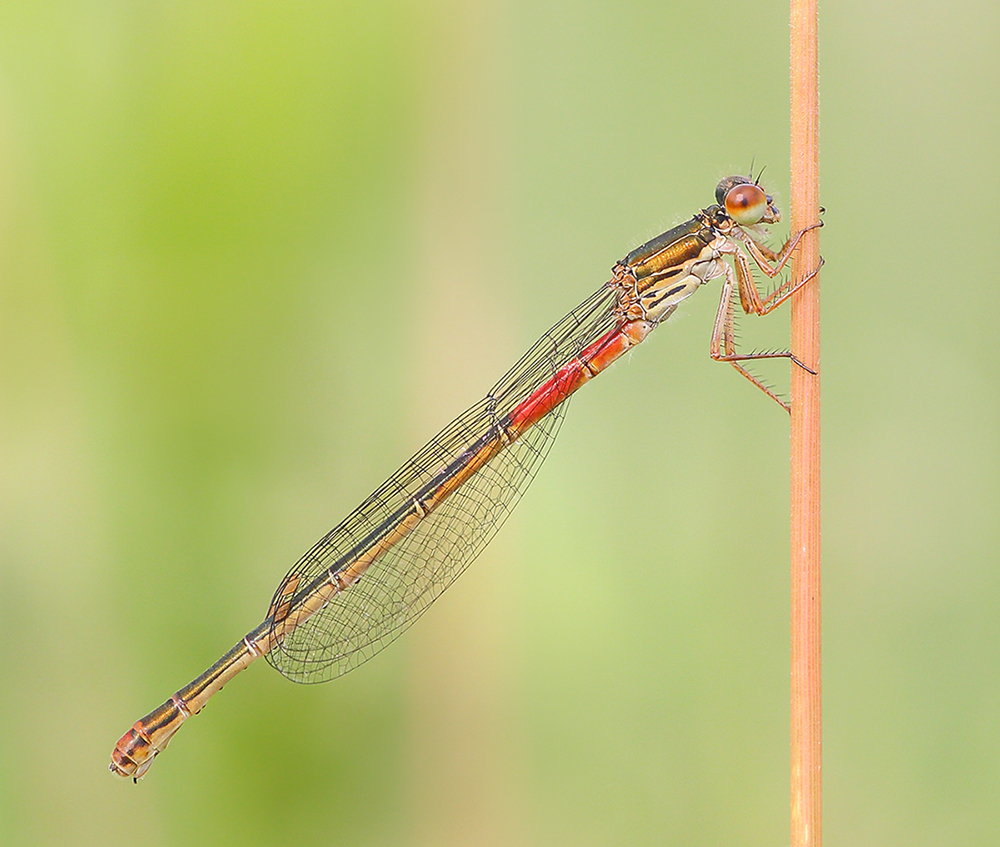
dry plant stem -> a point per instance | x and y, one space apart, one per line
806 688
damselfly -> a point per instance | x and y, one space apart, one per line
369 578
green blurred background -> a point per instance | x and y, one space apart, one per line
253 254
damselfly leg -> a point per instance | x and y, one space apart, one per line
723 348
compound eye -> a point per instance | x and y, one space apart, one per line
746 204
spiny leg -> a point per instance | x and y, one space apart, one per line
772 263
723 335
764 257
750 297
723 347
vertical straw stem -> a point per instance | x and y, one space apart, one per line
806 676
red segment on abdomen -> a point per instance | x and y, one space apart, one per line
594 359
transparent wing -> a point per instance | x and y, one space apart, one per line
404 580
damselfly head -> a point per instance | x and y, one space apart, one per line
746 202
